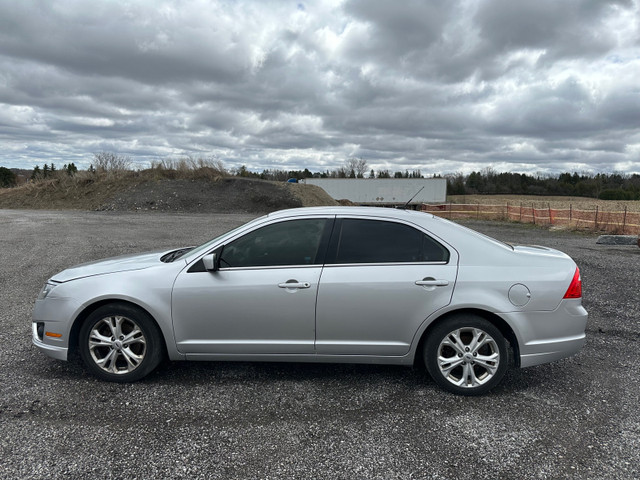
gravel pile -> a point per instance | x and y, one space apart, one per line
228 195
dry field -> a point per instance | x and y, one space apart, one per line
577 203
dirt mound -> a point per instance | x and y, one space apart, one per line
225 195
139 192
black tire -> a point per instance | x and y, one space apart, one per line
472 370
120 343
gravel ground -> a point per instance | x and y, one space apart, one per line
577 418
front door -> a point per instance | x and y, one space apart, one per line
261 300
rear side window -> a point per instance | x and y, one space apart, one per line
294 242
378 241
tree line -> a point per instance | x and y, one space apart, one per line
353 168
50 170
613 186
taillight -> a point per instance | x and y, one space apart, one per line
575 289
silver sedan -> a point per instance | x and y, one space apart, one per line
326 284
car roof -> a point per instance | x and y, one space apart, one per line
365 211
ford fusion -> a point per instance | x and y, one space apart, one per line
325 284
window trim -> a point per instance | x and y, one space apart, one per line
383 264
272 267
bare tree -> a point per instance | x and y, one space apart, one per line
357 165
110 162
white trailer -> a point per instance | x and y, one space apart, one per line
384 191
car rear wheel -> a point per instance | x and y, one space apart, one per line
120 343
466 355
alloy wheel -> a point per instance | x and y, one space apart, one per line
117 344
468 357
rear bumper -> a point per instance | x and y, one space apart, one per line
548 336
551 351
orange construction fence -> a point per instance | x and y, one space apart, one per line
623 222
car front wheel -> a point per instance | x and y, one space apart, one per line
120 343
466 355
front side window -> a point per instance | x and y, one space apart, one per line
293 242
377 241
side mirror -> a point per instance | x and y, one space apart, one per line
210 262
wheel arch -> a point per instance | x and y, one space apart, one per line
505 329
74 334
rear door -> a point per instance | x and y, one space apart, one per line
382 279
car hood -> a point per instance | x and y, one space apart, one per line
110 265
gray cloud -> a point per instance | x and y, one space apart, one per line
440 86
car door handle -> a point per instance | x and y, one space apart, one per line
432 282
294 284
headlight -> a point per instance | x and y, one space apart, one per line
46 290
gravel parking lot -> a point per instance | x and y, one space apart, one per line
577 418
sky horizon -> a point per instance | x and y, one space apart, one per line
442 86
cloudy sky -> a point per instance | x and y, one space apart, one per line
443 86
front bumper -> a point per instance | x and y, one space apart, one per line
53 313
53 351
